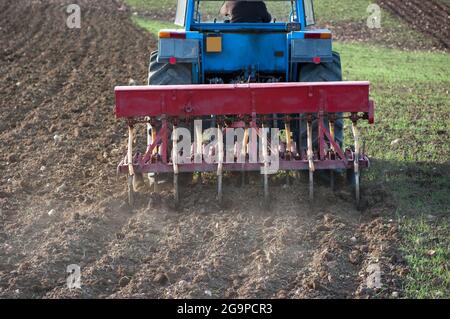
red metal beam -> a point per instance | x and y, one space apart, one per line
242 99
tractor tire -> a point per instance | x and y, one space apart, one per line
324 72
168 74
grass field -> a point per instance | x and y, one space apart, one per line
410 147
409 142
152 4
153 26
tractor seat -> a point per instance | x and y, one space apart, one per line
246 12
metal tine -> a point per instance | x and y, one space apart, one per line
220 155
266 163
310 160
355 130
198 147
332 177
175 165
130 185
244 154
151 137
131 193
299 148
287 127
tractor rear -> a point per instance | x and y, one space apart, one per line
241 97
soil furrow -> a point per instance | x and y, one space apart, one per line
429 17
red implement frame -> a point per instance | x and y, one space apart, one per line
249 102
243 99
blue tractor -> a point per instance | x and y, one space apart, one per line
247 65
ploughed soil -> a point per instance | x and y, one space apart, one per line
61 202
432 17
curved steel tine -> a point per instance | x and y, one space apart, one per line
287 127
220 155
130 191
332 177
130 184
175 165
265 155
151 136
311 161
355 130
244 154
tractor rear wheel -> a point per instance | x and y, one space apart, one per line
167 74
324 72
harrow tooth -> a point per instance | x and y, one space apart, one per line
289 149
130 184
355 130
151 138
219 189
244 154
198 145
332 135
175 166
266 165
360 202
266 187
331 124
130 191
151 180
130 150
299 138
175 189
155 181
288 141
311 161
220 155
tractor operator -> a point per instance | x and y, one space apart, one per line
241 11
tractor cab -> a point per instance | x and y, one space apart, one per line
221 51
285 14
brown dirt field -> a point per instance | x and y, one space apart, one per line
386 37
431 17
60 145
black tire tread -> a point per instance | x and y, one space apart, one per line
324 72
168 74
